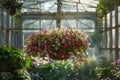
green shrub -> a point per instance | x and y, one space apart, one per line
111 72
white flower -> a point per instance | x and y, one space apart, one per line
53 45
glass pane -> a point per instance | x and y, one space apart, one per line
48 23
88 5
103 23
34 23
108 20
69 23
69 7
85 8
49 6
119 15
0 17
72 0
113 18
5 19
113 55
119 38
108 39
10 22
104 40
88 25
113 36
30 7
81 8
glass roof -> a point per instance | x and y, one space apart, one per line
66 5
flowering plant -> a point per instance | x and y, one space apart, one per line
111 72
11 6
58 43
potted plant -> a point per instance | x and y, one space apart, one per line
59 44
112 72
104 6
16 75
12 59
11 6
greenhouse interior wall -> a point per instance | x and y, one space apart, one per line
13 34
110 34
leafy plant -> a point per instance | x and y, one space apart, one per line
13 57
105 6
5 76
59 70
51 71
21 75
112 72
11 6
15 75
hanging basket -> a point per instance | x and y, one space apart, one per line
57 57
59 44
6 66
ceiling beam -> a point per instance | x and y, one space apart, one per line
65 15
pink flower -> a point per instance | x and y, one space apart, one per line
79 43
74 40
48 46
60 51
44 31
50 39
45 45
60 54
33 47
65 45
38 49
39 44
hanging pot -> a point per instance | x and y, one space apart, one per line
58 57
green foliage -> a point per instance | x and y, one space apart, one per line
16 75
101 9
14 56
64 71
11 6
21 75
13 62
105 6
111 72
52 71
5 76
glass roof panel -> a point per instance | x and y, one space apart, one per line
69 7
51 5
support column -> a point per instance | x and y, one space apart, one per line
7 29
111 37
58 15
1 27
116 34
19 35
105 33
2 32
